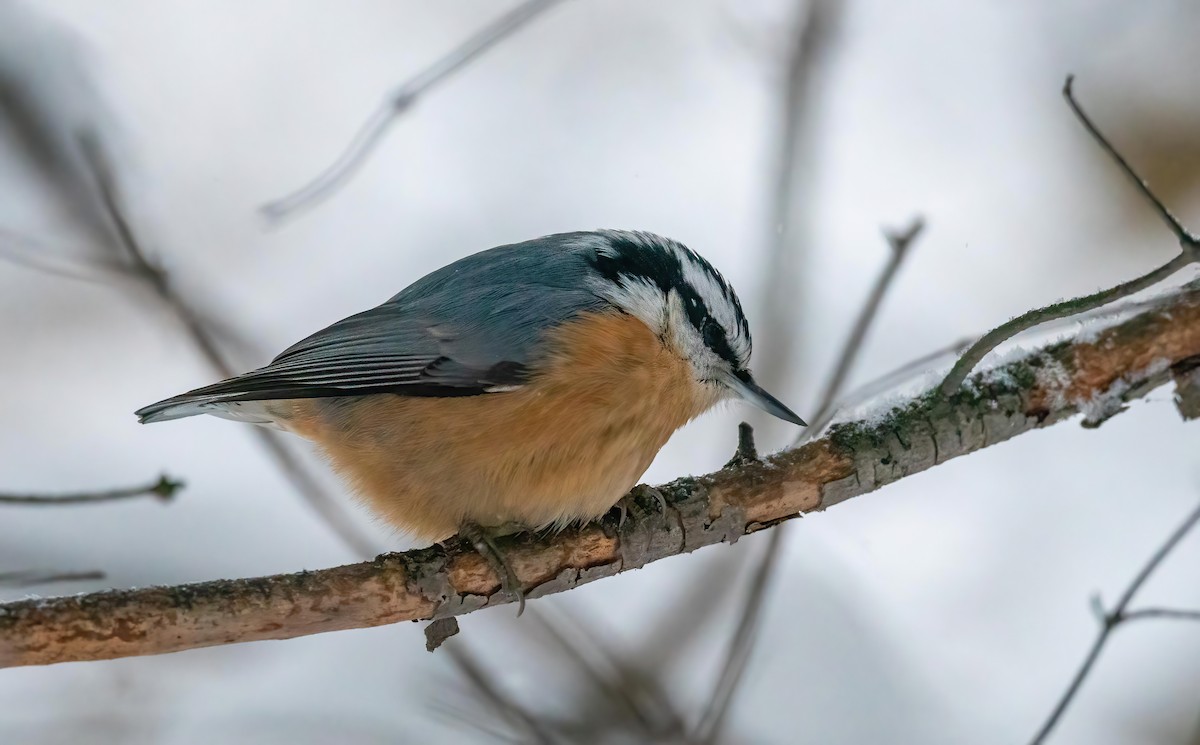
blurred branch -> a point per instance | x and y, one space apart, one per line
791 187
57 115
33 254
811 39
899 244
745 633
1173 614
1122 362
164 489
31 578
396 104
1119 615
1189 254
156 279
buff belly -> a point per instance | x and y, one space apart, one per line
565 447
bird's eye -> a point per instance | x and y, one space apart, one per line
711 333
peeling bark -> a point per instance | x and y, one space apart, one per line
1096 375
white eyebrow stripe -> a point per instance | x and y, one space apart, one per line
640 296
715 297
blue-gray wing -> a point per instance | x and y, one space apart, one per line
471 327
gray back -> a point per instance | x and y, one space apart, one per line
469 327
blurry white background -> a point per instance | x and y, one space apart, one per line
948 608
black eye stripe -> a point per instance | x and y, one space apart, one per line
711 333
659 262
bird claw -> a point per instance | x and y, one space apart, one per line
626 503
485 544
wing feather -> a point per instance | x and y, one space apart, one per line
469 328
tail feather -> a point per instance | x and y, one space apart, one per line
192 404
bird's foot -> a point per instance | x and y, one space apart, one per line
629 501
484 541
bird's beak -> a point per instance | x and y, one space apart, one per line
744 386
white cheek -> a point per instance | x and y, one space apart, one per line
637 297
685 341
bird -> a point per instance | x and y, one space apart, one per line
527 385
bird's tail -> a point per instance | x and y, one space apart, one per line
196 402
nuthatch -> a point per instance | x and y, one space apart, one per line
531 383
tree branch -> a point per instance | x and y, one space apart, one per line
708 729
396 104
1123 362
1189 254
899 243
146 270
1119 615
164 489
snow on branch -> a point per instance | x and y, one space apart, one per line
1096 371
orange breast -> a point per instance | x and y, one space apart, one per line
564 447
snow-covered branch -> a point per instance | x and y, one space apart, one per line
1095 372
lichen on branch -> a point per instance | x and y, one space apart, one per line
1094 371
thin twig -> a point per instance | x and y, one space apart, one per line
708 729
907 372
899 242
157 279
396 104
453 579
742 643
31 578
791 187
747 451
1110 620
1174 614
164 489
1186 238
32 253
1189 254
997 336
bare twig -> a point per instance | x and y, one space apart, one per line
1110 620
1187 240
747 451
1189 254
31 578
708 729
742 642
164 489
58 116
899 375
899 242
792 177
1172 614
1043 388
32 253
156 278
811 40
396 104
885 382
